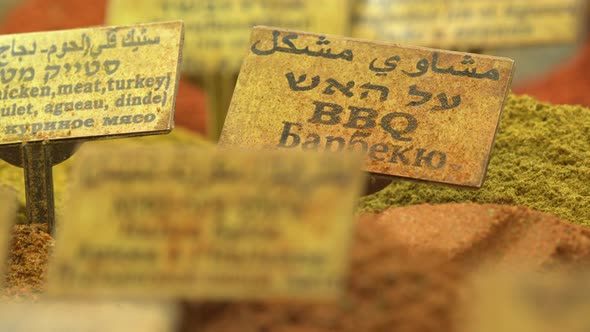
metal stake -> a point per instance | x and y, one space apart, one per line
37 165
37 160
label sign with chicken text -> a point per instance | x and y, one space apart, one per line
89 83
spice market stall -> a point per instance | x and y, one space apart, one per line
417 248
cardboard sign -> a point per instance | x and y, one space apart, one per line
218 31
184 222
530 302
416 112
89 83
57 316
469 24
8 204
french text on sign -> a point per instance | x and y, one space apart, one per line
183 220
89 83
415 112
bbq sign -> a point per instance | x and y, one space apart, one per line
415 112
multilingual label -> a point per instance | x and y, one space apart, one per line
217 31
469 24
108 81
64 316
8 204
415 112
182 222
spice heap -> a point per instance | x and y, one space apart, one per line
45 15
501 235
27 263
397 282
411 269
390 289
539 160
567 84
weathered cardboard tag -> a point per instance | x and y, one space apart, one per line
61 316
8 204
469 24
217 31
184 222
530 302
416 112
89 83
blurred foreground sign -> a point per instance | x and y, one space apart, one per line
189 223
416 112
217 31
530 302
53 316
469 24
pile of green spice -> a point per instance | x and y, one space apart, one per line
541 159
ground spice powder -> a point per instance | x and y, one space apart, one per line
411 269
540 160
27 264
396 283
390 289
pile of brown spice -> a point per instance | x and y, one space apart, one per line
391 288
411 268
27 262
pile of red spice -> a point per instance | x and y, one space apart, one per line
569 83
47 15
